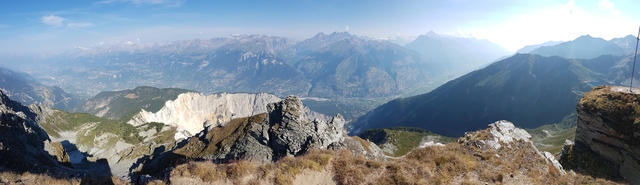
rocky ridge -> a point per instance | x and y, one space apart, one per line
504 134
190 113
22 139
25 148
287 129
471 160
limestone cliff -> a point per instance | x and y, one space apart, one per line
607 141
191 112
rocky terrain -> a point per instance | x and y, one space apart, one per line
121 142
608 134
287 129
29 156
93 138
289 144
501 154
190 113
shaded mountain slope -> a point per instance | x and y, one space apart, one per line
529 89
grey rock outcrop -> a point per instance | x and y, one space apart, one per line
499 133
607 134
287 129
504 134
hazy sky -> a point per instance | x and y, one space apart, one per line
39 27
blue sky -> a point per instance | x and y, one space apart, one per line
47 27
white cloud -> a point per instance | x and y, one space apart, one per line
52 20
79 24
564 22
609 6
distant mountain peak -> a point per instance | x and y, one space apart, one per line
583 47
587 37
431 34
334 36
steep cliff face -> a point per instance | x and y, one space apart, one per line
607 139
190 113
21 139
287 129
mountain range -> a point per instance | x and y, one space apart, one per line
588 47
457 55
332 65
529 89
27 90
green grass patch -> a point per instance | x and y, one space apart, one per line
551 137
404 138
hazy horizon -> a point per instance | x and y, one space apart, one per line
41 28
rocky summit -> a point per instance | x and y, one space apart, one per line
287 129
607 138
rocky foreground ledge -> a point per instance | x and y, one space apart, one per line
607 141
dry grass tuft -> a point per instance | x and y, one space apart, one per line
43 179
282 172
454 163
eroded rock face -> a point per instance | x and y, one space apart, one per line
609 126
190 113
287 129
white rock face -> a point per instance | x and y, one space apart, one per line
191 112
504 131
550 158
